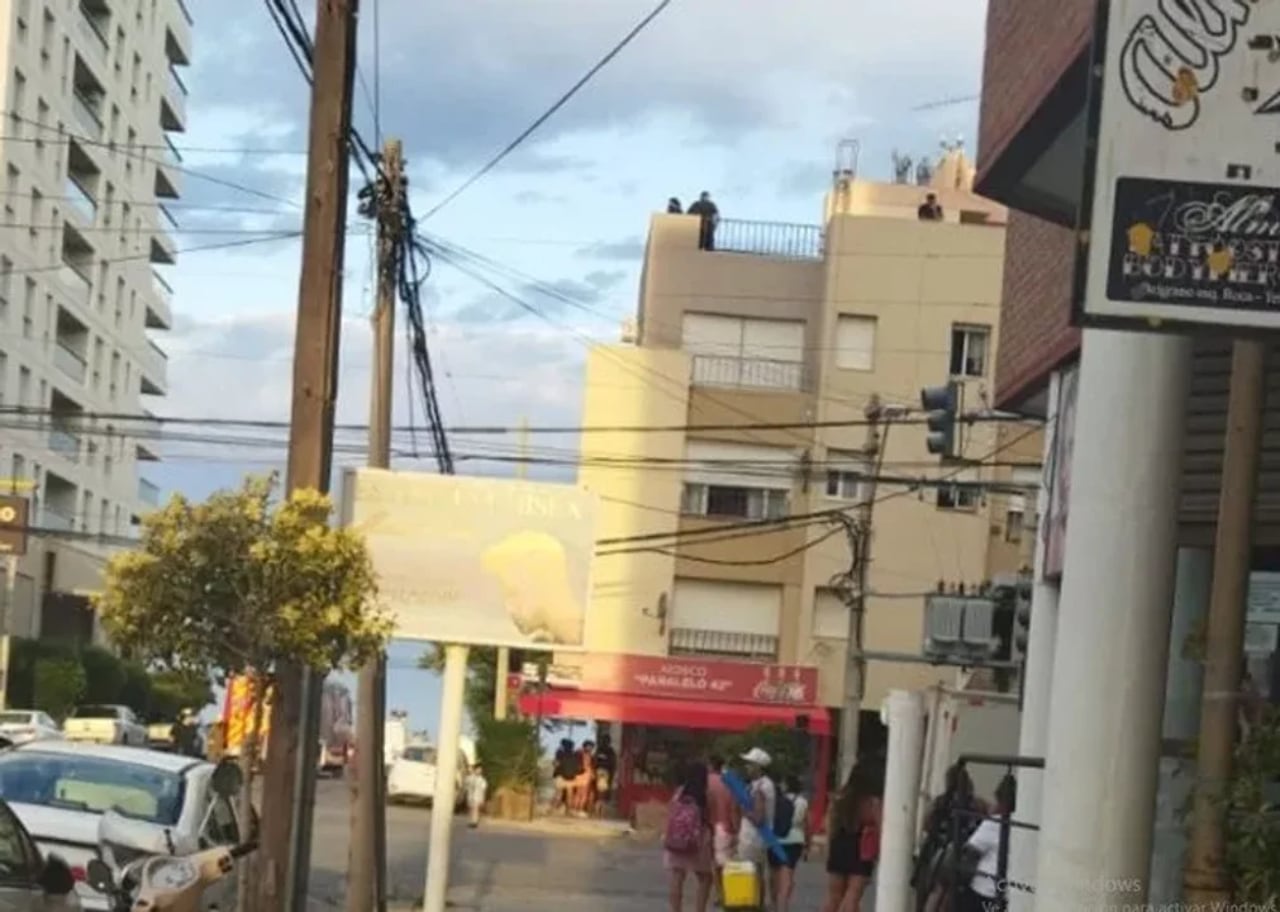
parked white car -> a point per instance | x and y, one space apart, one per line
76 799
19 726
413 776
105 724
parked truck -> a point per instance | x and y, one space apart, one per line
334 746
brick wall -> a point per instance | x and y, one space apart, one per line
1036 335
1030 44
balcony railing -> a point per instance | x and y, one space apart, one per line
176 85
751 646
148 493
81 200
158 352
163 288
94 39
186 14
774 239
70 363
168 217
60 519
64 443
171 153
78 285
749 373
86 117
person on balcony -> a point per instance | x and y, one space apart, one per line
710 216
930 210
674 207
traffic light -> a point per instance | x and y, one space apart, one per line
943 406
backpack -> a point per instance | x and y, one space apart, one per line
784 815
684 827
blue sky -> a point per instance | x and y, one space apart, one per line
744 98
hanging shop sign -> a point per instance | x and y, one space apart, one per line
1179 222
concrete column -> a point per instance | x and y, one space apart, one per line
1107 699
904 716
1033 733
1192 587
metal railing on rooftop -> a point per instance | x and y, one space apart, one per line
86 117
775 239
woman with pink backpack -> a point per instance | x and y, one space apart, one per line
687 844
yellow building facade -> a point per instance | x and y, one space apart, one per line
802 326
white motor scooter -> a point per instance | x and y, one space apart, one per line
165 884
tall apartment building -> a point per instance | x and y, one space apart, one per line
91 92
802 325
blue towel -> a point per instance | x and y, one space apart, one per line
742 794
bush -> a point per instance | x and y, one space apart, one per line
1253 835
59 684
508 752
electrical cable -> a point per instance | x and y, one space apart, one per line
550 112
199 248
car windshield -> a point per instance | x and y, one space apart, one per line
16 718
95 712
91 784
420 754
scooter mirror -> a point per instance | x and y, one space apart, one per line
227 778
55 877
99 875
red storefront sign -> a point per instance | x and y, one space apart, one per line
693 679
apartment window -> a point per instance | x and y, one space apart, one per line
37 213
47 30
732 501
24 387
846 476
29 308
958 497
969 346
104 515
6 288
1013 520
126 212
744 352
855 342
42 124
4 375
19 468
11 194
18 103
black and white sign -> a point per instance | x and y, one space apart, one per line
1180 224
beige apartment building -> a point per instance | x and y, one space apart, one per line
91 92
802 325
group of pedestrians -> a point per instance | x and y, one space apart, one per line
709 827
584 777
958 862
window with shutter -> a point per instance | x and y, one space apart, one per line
855 342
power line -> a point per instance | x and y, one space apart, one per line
550 112
199 248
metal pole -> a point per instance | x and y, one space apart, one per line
1206 879
10 582
445 798
366 867
905 717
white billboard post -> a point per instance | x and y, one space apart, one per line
473 562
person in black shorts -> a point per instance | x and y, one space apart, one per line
855 837
795 843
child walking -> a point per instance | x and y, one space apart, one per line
477 789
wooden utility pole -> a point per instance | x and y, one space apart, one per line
1207 880
366 870
284 856
855 594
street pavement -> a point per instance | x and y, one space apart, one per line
510 867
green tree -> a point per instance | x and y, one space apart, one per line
1253 830
244 585
104 674
779 741
173 691
59 684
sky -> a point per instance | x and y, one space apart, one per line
746 99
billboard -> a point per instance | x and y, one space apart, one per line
478 561
1179 221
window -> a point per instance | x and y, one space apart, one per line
1013 520
846 476
18 104
733 501
42 122
28 308
4 375
958 497
19 858
969 350
6 287
11 193
92 785
743 352
855 342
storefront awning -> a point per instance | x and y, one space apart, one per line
617 707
